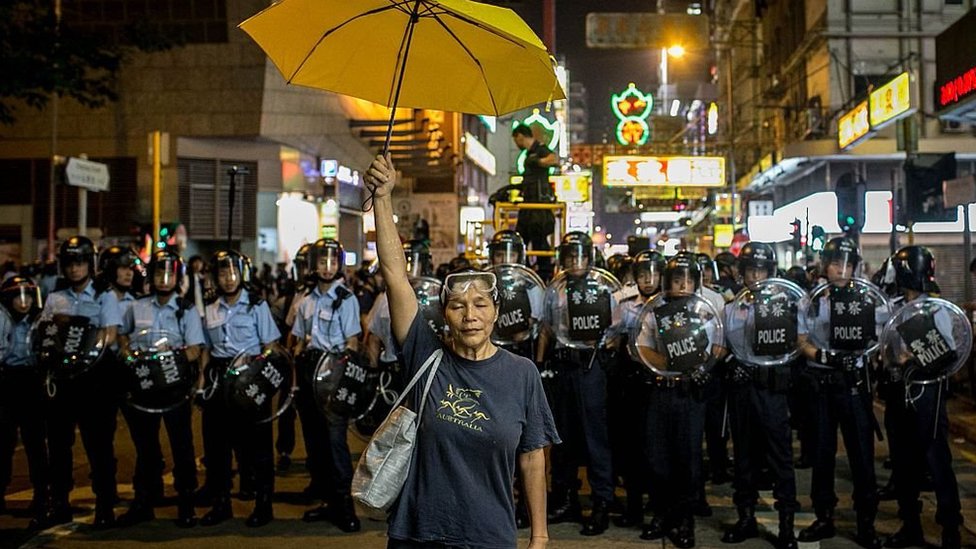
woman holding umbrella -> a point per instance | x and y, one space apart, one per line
486 411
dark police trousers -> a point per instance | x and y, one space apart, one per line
285 442
224 430
919 450
675 427
839 401
759 414
328 461
626 420
144 428
579 408
22 409
89 402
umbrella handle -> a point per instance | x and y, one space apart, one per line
404 52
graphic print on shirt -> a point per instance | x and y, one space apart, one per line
462 407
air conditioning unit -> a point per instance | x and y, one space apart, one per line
953 126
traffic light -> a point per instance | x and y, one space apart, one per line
850 203
818 237
923 186
796 236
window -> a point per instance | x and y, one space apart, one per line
204 187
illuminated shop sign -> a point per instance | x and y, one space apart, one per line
478 153
958 88
853 126
632 107
692 171
891 101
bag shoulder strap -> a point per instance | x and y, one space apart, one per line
435 360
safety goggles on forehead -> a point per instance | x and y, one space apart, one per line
459 283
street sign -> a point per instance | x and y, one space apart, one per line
645 30
87 174
761 207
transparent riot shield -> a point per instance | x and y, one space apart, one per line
428 292
578 307
520 300
259 388
344 385
675 335
846 318
926 341
761 323
159 378
66 346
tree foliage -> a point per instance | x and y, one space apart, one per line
39 58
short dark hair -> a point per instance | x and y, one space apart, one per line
522 129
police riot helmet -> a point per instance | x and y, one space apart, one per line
168 266
798 275
915 269
648 262
620 266
840 249
330 252
22 287
299 265
508 247
575 247
725 261
708 268
77 249
458 263
111 259
419 262
682 267
757 255
239 264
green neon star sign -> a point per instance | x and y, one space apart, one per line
632 107
549 128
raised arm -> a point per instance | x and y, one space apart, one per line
381 179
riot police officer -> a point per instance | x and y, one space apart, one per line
922 425
81 401
285 443
578 394
758 400
507 254
327 322
680 337
419 262
626 409
22 402
842 399
506 248
238 322
163 314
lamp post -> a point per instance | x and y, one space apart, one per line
677 51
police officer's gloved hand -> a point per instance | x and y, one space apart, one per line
699 376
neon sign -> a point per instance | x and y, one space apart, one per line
632 107
853 125
891 101
550 131
958 88
657 171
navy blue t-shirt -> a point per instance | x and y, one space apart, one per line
480 415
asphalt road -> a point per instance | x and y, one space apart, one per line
289 531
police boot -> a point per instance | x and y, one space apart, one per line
822 528
342 514
140 511
58 512
204 497
104 514
566 508
185 513
654 530
263 512
910 534
866 535
786 538
683 536
887 492
599 519
744 528
951 538
220 511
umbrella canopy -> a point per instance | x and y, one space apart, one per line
451 55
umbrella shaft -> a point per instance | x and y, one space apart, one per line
414 17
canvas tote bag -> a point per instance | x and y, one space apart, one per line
383 467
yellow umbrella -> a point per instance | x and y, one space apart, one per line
450 55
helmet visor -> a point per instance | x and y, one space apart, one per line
457 284
841 266
506 253
327 263
23 297
165 273
574 257
681 282
647 275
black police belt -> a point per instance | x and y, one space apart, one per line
765 377
568 358
826 375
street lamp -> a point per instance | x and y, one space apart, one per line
677 51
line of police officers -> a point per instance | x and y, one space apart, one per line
635 363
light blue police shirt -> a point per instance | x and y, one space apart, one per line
327 328
231 329
102 312
147 317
